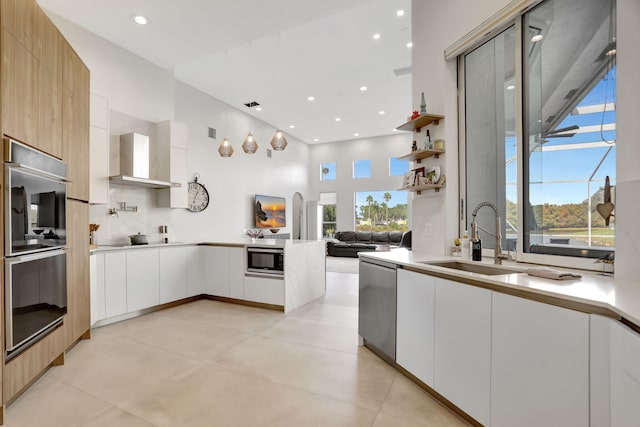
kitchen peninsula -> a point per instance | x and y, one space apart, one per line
501 346
128 281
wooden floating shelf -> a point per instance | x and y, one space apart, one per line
420 122
421 154
424 187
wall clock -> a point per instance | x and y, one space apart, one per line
198 196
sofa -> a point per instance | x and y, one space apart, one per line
349 243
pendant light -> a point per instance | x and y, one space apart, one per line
250 145
279 141
225 149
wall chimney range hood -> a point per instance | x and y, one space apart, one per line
134 164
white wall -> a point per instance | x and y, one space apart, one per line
149 93
436 28
343 153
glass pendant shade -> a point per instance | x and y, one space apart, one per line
250 145
225 149
279 142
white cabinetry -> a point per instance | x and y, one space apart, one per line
96 278
236 272
540 364
172 163
195 285
143 284
115 283
215 267
173 274
625 376
268 290
463 347
415 324
99 150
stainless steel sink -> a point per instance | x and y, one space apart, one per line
488 270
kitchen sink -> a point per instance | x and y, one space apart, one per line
488 270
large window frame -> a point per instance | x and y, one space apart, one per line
492 28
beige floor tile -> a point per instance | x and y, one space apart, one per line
213 396
115 417
53 403
362 381
225 315
317 334
190 338
344 316
117 369
384 420
407 400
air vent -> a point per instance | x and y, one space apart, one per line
212 133
251 104
402 71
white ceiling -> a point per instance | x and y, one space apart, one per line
275 52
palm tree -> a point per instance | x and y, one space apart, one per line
387 197
325 171
369 201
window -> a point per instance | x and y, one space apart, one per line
569 143
552 164
398 167
328 202
362 168
381 211
328 171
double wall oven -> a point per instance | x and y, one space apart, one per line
35 282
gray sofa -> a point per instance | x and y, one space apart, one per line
349 243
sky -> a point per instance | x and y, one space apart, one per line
571 165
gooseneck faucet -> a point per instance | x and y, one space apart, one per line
498 255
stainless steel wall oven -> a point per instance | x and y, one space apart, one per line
35 282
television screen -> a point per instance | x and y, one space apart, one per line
270 212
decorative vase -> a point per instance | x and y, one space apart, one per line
423 105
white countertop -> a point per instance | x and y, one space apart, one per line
241 242
597 292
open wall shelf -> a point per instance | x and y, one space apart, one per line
419 122
421 154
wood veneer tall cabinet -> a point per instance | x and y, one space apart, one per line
45 104
75 126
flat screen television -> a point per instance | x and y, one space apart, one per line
270 211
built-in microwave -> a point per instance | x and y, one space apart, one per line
265 260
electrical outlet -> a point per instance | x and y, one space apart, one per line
427 229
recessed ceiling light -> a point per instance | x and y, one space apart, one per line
311 98
376 36
139 19
382 113
292 126
511 87
410 44
537 38
258 108
395 130
400 13
338 119
315 139
356 134
363 88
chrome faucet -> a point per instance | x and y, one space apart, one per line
498 255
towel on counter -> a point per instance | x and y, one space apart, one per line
549 273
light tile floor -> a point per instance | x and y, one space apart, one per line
215 364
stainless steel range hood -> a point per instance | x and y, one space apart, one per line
134 164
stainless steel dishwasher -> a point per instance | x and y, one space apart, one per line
377 307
